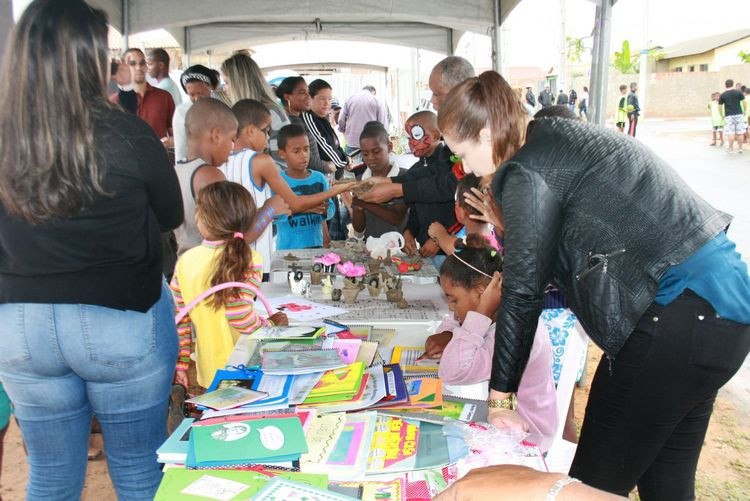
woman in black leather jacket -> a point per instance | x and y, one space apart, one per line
645 264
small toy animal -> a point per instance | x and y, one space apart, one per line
296 282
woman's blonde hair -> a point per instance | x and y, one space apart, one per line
486 101
246 80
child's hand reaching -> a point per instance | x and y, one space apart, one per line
444 240
279 318
279 206
490 299
429 249
436 343
436 230
321 209
181 377
410 244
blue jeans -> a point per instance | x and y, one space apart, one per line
60 363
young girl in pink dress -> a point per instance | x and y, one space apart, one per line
471 280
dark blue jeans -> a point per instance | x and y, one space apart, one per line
60 363
648 412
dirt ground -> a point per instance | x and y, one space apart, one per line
723 471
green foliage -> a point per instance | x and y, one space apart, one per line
575 49
624 62
744 56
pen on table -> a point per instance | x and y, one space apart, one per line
335 324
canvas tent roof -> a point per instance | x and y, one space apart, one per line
199 25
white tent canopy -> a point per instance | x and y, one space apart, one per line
199 25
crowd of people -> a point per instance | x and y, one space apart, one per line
730 114
576 104
533 230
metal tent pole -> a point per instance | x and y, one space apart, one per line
496 60
600 62
125 8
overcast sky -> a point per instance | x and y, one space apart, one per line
532 31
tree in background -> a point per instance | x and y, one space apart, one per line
744 56
624 62
575 49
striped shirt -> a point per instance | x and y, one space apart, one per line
239 312
239 168
326 139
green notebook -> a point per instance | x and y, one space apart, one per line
182 484
337 384
253 440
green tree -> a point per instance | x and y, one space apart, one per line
624 62
575 49
744 56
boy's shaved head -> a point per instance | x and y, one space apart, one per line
426 118
423 132
208 114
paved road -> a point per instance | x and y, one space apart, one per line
721 179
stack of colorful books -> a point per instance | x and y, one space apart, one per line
299 414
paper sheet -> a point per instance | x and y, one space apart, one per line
304 310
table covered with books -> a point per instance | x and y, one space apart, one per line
336 406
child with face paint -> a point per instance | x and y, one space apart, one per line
425 144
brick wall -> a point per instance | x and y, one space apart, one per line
673 95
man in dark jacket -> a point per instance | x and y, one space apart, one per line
545 98
530 99
562 98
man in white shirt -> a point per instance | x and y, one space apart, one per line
158 69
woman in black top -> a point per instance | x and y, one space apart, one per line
318 123
86 321
320 130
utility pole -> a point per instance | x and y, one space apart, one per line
643 75
600 61
561 73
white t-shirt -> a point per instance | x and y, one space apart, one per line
168 85
238 169
179 131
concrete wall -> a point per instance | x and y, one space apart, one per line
688 94
672 94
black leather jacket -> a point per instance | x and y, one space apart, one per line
601 217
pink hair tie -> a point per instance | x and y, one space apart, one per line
237 234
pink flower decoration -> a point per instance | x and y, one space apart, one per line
329 259
351 270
